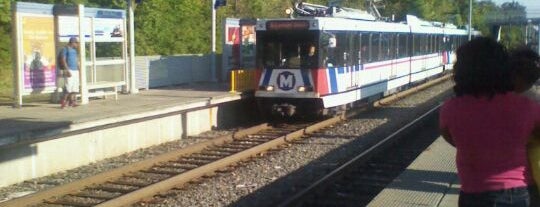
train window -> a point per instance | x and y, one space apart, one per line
433 43
428 44
417 50
341 49
439 42
286 49
402 45
375 47
453 42
393 46
352 46
425 44
365 47
385 47
328 52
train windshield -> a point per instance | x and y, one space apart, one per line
287 49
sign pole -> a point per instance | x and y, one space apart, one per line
470 20
82 57
17 76
213 56
132 82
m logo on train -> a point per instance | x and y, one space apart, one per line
286 81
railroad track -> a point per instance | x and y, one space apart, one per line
135 182
360 179
132 183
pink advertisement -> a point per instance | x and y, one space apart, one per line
39 54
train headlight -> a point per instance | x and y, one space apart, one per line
304 88
270 88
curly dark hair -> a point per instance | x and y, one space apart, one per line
525 64
481 69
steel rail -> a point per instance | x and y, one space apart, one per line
291 201
78 185
183 178
397 96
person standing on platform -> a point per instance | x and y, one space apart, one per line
70 60
490 126
525 66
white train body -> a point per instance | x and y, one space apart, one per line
354 59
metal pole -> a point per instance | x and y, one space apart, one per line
82 57
132 82
538 43
527 34
213 55
470 20
17 74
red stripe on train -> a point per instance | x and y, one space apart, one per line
320 80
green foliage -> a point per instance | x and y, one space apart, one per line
168 27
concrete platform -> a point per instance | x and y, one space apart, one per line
40 138
431 180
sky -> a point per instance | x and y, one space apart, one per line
533 6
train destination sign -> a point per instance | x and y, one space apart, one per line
287 25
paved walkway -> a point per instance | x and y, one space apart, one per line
431 180
16 124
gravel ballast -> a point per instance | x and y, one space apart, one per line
268 179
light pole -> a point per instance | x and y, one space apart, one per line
213 55
470 20
132 83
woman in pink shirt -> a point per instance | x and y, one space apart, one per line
489 125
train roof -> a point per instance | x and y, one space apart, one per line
413 25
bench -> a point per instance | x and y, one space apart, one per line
103 89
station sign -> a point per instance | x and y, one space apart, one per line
287 25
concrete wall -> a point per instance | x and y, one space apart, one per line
163 71
23 162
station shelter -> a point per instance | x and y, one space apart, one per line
41 31
239 54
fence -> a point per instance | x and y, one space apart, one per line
160 71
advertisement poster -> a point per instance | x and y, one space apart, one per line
233 39
109 30
248 46
39 54
105 29
69 27
231 47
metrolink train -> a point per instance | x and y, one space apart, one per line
320 65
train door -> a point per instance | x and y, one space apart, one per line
425 51
351 58
364 55
393 55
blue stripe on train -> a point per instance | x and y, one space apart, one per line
267 75
341 70
333 80
305 77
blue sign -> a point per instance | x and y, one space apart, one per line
219 3
109 14
286 81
